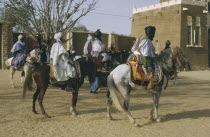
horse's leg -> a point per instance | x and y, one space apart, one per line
175 78
74 101
40 99
12 72
125 91
154 111
22 79
26 70
34 100
109 104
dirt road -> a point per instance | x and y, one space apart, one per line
184 108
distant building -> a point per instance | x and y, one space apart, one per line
183 22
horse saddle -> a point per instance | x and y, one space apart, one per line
53 80
138 73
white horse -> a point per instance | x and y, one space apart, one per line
119 84
34 56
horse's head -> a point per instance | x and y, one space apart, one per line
35 55
179 59
124 56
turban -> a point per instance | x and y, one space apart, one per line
20 37
89 38
58 36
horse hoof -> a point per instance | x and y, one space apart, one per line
35 112
136 125
73 111
151 119
110 117
158 120
47 116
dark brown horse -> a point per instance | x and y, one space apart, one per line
42 80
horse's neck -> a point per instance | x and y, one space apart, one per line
166 59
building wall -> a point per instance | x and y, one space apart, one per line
0 45
125 43
79 39
171 24
164 0
6 42
198 56
167 21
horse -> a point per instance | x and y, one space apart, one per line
42 80
120 84
117 58
28 64
178 67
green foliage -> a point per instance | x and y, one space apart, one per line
80 28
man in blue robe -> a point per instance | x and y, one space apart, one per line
19 50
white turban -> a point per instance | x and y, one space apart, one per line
89 38
20 37
58 36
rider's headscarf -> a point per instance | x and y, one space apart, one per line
85 49
150 32
20 37
58 37
98 34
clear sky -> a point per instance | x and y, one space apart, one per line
114 15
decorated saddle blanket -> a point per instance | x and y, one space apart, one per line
138 73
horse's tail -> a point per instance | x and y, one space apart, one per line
115 93
27 83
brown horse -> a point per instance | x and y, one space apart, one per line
42 80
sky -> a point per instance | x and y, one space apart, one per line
113 16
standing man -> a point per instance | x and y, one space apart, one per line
19 51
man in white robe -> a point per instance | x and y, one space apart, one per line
97 46
59 58
88 46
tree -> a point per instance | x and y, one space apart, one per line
1 14
48 16
80 28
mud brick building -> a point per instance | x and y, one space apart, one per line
183 22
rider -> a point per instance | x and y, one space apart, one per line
97 48
88 46
167 44
59 58
147 53
38 44
146 49
19 51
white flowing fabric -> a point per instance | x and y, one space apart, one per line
85 49
98 47
106 57
19 38
59 60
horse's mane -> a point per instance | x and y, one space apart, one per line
164 54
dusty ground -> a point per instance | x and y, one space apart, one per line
185 112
